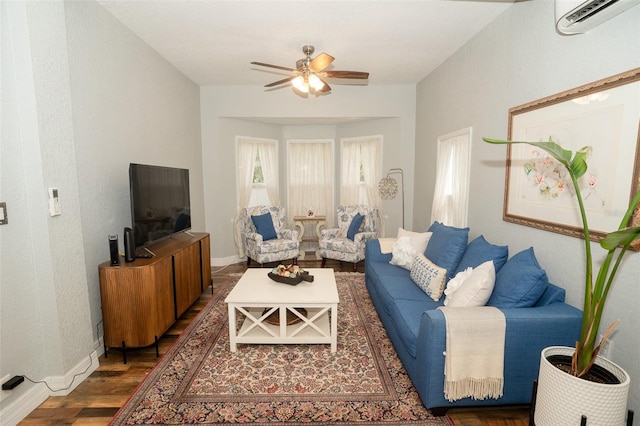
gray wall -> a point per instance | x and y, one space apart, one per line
84 98
517 59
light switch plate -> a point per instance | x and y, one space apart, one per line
3 214
54 202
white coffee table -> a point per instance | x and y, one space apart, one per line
257 297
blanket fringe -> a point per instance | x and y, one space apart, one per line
473 388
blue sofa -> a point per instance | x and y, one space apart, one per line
417 329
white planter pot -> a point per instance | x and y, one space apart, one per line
563 399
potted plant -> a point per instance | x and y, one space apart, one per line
584 357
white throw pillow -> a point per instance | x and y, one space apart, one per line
471 287
403 253
418 239
428 276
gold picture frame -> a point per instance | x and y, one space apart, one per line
605 115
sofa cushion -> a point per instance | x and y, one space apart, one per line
520 282
446 246
264 226
406 315
479 251
394 283
429 277
471 287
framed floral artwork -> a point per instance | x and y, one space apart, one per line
604 115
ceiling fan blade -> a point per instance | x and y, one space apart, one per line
347 74
262 64
279 82
321 62
325 88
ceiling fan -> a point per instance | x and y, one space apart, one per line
310 73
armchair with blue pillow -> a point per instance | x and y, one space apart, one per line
356 225
265 237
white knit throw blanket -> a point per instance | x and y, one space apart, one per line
474 359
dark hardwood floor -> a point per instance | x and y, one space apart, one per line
98 398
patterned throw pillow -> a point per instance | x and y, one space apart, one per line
428 276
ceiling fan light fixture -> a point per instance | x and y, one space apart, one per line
310 72
300 84
315 82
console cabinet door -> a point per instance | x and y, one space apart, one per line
188 280
137 303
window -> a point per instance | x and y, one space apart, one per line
453 168
310 177
257 178
361 170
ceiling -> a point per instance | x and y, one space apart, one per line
213 41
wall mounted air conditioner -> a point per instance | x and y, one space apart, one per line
579 16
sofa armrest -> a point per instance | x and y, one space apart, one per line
374 254
362 237
289 234
329 233
528 331
254 236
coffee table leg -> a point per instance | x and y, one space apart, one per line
232 327
334 328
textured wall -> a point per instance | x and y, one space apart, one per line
82 97
129 106
517 59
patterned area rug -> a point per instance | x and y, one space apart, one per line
199 381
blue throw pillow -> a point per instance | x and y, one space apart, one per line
479 251
520 283
264 226
446 246
354 227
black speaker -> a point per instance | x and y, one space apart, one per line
129 246
113 249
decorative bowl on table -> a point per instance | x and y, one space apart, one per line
291 274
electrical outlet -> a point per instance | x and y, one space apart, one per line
5 393
607 349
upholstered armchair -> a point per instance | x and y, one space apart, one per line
265 237
356 225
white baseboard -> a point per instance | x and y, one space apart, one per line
15 411
224 261
63 385
12 412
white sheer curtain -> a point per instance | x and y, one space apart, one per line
451 194
269 162
310 177
247 149
361 170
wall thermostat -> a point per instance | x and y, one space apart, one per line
54 202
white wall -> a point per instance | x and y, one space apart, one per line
519 58
81 98
220 104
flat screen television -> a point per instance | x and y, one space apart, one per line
160 203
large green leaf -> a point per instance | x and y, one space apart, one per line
576 164
623 237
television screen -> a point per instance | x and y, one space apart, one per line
160 204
